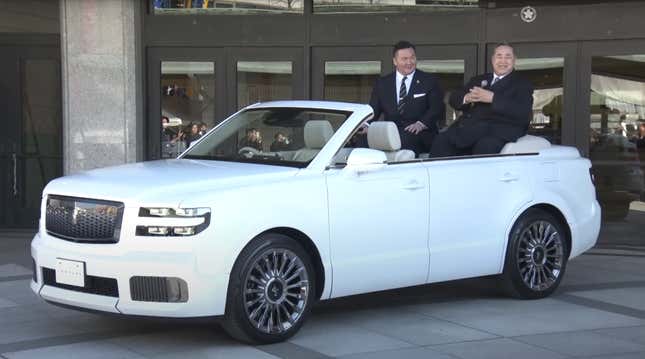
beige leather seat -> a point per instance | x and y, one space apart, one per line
384 136
526 144
316 133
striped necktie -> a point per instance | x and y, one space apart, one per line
403 90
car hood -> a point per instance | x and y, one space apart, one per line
164 181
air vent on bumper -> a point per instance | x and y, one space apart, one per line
158 289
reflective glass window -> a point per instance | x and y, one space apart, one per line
259 81
187 104
350 81
617 138
373 6
232 7
547 76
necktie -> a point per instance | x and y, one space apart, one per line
495 79
403 90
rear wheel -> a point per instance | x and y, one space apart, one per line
270 290
536 255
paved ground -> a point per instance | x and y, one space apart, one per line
599 311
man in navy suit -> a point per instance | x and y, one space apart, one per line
410 98
496 109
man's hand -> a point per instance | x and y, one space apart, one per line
416 127
478 94
363 129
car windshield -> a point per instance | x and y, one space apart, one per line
275 136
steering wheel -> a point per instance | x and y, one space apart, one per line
248 152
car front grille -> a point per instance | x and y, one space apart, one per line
93 285
83 220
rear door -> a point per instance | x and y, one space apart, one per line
472 204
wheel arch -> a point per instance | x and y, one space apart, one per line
309 246
554 211
557 213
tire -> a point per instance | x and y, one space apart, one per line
270 292
536 255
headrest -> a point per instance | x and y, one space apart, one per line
384 136
317 133
526 144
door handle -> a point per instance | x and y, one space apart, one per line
509 177
413 185
14 165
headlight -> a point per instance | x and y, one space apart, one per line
167 222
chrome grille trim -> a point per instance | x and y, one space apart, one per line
83 219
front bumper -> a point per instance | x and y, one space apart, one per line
206 289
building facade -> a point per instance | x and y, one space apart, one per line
86 83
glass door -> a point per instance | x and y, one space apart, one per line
347 74
615 127
264 74
191 90
31 136
187 92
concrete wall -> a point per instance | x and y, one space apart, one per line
101 86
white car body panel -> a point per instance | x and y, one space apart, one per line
469 240
400 225
378 221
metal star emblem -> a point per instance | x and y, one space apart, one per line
528 14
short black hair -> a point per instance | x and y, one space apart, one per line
402 45
504 43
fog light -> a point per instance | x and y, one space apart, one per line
177 290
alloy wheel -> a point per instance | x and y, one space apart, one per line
276 289
540 254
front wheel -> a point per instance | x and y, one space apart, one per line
270 290
536 255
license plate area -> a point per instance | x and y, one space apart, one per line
70 272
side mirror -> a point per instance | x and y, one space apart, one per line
365 160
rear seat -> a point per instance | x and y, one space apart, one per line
526 144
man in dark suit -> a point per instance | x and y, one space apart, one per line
410 98
496 109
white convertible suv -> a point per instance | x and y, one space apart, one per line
256 237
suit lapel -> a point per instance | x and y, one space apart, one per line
504 82
415 81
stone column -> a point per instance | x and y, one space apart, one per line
102 86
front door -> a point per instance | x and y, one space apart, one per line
31 133
378 224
